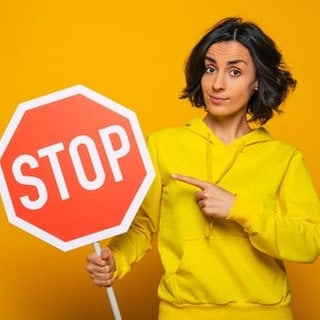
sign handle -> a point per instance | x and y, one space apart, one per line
109 290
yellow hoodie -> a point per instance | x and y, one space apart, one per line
232 268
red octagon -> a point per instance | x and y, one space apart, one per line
74 167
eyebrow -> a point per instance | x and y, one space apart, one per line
229 62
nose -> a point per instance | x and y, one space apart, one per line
218 82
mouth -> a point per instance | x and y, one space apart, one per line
217 99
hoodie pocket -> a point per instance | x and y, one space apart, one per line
228 270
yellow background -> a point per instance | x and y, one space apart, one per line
134 52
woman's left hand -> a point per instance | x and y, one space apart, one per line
213 200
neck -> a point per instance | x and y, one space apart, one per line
227 130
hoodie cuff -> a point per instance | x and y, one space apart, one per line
245 212
122 266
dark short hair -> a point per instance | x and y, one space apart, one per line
274 79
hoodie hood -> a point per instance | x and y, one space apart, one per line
256 136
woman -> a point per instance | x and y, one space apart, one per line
229 202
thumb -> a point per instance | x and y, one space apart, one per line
106 255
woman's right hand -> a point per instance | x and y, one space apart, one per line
101 268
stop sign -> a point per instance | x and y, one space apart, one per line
74 167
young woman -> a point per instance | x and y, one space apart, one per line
229 202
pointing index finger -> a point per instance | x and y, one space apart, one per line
190 180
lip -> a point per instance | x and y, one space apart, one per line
217 99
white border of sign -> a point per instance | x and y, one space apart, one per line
140 194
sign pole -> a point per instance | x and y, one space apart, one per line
109 290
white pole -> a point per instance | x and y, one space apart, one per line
110 292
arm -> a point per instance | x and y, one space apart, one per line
290 231
128 248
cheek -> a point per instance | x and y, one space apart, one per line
245 91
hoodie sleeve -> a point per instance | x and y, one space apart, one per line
131 246
292 230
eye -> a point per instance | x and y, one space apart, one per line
210 69
235 72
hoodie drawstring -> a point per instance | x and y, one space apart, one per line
240 147
209 225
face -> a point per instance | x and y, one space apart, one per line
229 80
